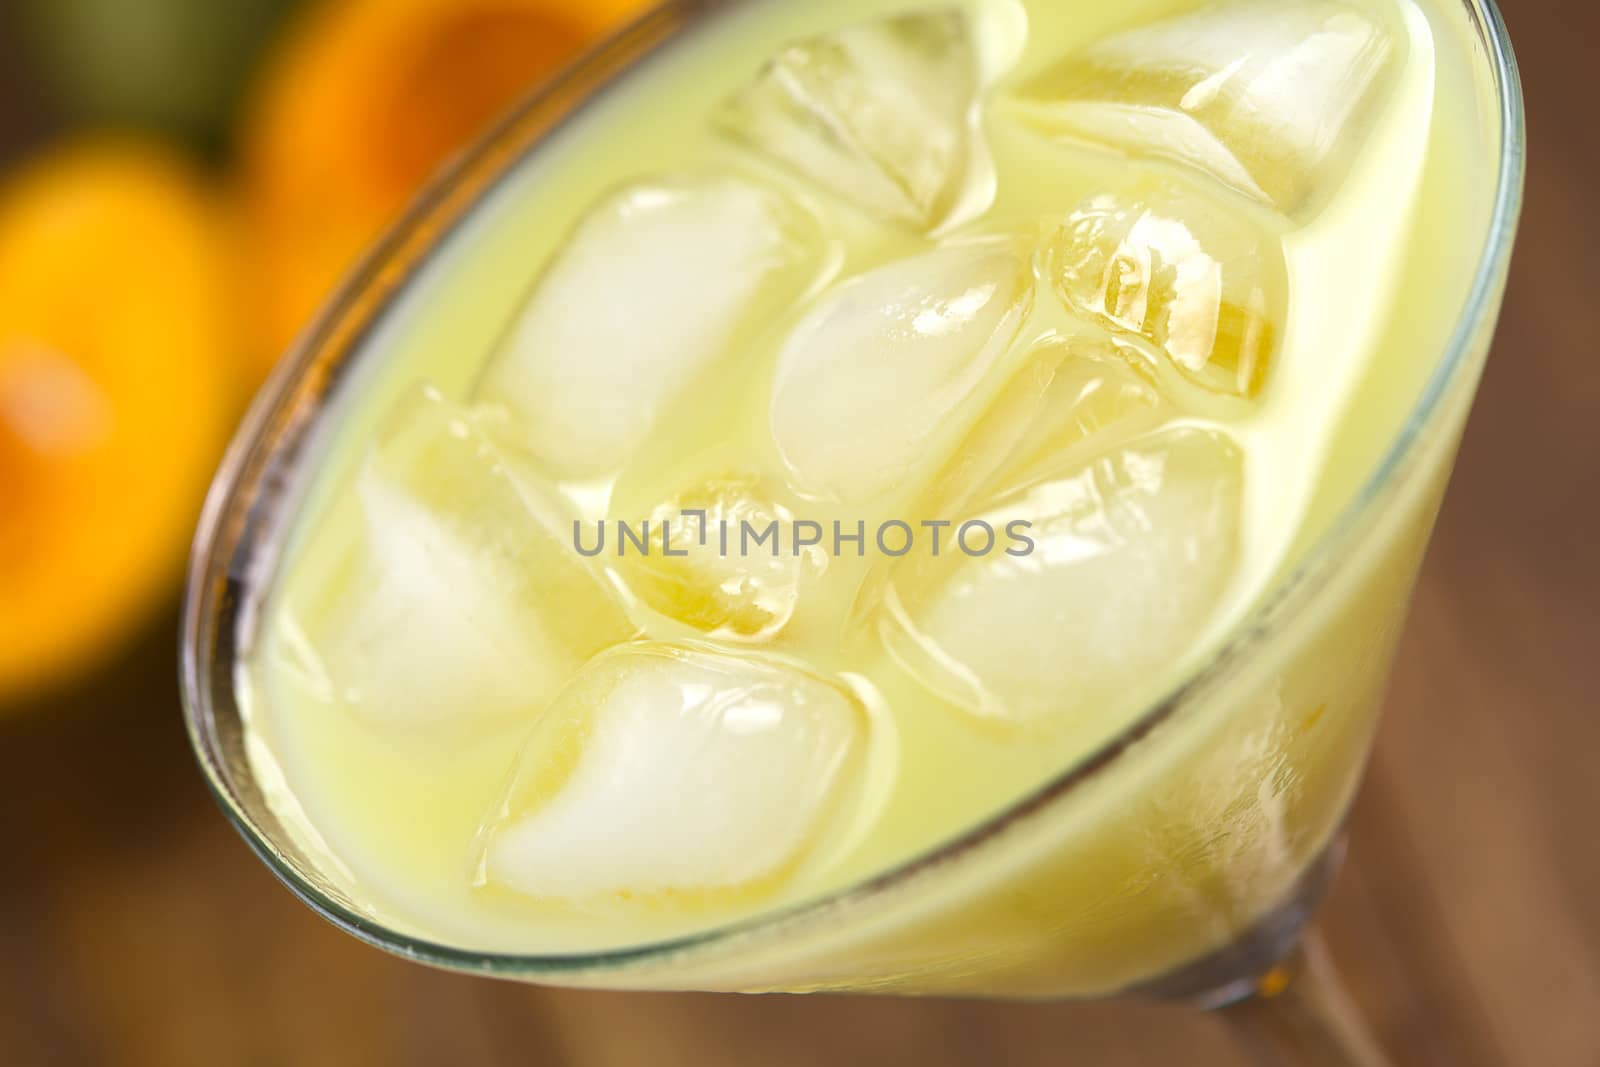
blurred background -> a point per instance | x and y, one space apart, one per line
181 183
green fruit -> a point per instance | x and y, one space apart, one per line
177 65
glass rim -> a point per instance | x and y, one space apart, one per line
430 220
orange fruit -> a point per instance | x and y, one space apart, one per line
116 394
360 103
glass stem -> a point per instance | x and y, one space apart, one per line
1301 1014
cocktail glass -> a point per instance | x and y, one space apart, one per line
1182 860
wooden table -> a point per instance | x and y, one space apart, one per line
135 928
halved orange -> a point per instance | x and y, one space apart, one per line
116 394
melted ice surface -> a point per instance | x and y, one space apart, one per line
893 360
662 770
881 114
658 283
1266 96
1129 558
1194 279
460 603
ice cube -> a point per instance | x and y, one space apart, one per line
459 601
667 773
659 283
1270 97
1071 393
736 570
1206 287
881 378
882 114
1130 558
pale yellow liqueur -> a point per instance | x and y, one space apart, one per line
854 420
